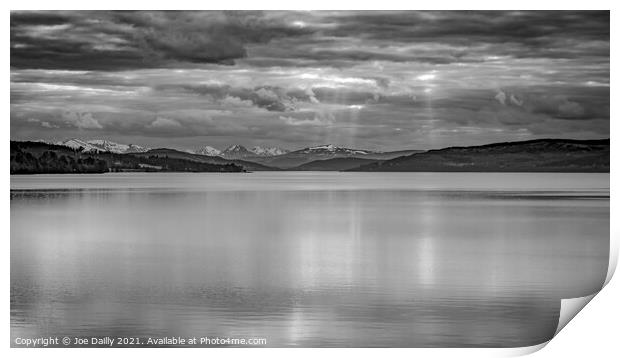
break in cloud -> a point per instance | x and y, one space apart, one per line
369 79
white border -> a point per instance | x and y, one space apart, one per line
593 331
313 5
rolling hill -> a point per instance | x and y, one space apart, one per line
334 164
173 153
541 155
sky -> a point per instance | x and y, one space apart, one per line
362 79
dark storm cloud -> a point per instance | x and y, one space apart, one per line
34 18
525 34
297 55
352 55
137 39
498 27
383 80
565 103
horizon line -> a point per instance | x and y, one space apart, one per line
319 145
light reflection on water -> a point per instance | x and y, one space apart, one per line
306 259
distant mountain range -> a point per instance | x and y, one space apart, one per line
206 150
275 157
101 145
239 152
296 158
232 152
542 155
269 151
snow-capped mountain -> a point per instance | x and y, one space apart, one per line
78 143
117 147
207 150
232 152
236 151
134 148
268 152
333 150
319 152
102 145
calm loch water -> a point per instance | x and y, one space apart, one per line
306 259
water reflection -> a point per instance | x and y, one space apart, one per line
305 267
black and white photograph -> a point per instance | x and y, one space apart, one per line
306 179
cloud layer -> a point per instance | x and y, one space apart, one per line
377 80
